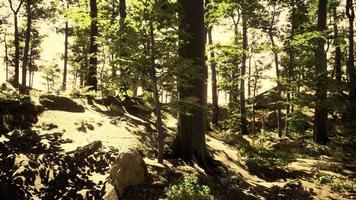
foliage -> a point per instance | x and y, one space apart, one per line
336 182
298 122
189 188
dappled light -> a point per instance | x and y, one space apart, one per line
177 100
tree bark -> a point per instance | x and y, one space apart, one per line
65 59
350 13
6 60
337 64
214 90
16 42
27 45
320 132
243 73
93 49
276 61
190 142
156 94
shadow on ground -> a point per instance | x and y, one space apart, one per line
33 165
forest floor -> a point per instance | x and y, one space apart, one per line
262 166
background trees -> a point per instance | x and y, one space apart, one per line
158 48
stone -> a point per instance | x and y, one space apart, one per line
128 169
110 192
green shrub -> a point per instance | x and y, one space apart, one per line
298 122
189 189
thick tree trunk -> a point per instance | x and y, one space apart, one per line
320 132
350 13
190 142
92 80
214 88
122 10
337 64
27 45
243 73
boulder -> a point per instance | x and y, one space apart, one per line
16 114
128 169
5 86
53 102
110 192
272 121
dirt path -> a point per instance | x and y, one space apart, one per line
87 127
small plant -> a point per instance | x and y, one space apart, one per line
298 122
337 183
189 189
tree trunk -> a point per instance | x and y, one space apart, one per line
17 52
16 42
255 80
30 67
156 94
350 13
290 71
337 64
65 59
27 45
214 90
320 133
276 61
243 73
190 142
6 60
249 77
93 49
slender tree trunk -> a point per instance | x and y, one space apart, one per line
156 94
6 59
253 100
65 59
214 87
17 52
290 70
190 142
337 64
92 80
249 77
350 13
16 42
30 67
276 61
320 132
243 73
27 45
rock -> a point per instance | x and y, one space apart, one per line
272 121
110 192
53 102
128 169
5 86
15 114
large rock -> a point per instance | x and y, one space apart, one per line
16 114
272 121
110 192
53 102
128 169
